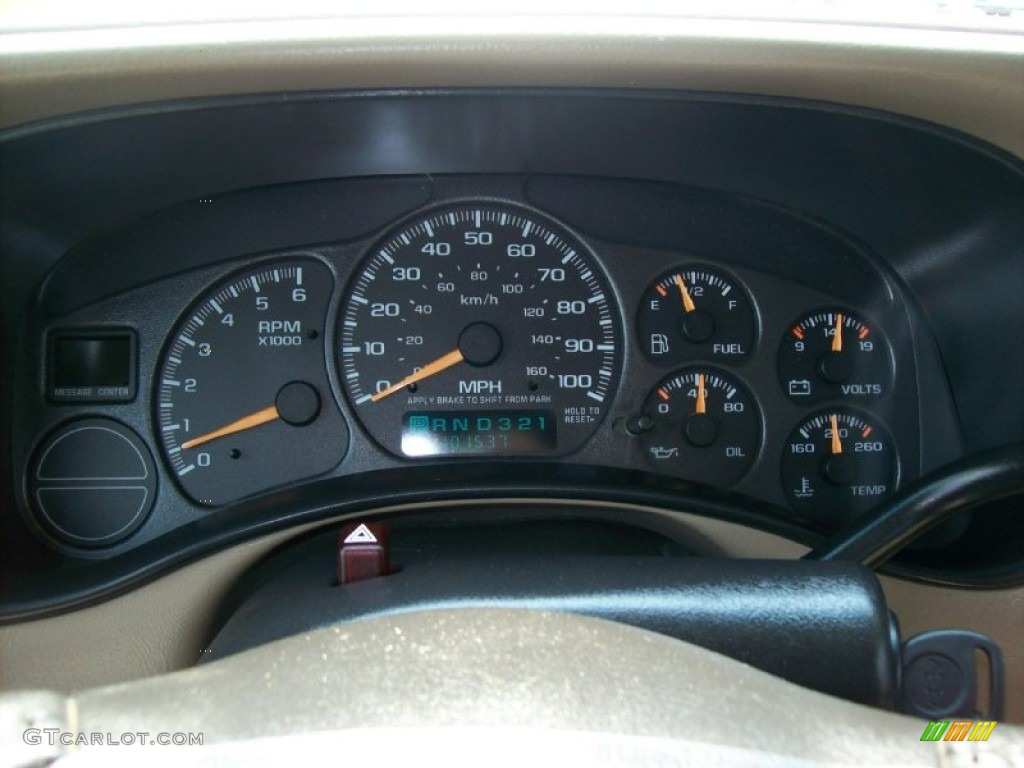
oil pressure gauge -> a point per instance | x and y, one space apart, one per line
838 463
696 313
701 424
833 354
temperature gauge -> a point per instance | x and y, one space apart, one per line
696 313
833 354
838 463
702 425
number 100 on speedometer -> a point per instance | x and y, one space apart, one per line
474 317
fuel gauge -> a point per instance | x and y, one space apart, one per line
695 313
838 463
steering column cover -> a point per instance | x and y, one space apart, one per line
821 625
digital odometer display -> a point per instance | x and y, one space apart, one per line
456 433
480 311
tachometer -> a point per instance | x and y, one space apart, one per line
479 329
242 399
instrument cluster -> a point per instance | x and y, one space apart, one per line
487 328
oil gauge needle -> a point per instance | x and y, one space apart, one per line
440 364
837 337
688 304
837 444
247 422
702 406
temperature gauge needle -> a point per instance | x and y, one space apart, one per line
837 444
247 422
702 406
688 304
837 337
442 363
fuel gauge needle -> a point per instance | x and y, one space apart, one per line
246 422
702 406
837 337
688 304
430 369
837 444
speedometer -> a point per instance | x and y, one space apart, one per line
479 329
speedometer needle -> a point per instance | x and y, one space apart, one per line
688 304
247 422
442 363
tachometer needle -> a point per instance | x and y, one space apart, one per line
688 304
837 337
247 422
702 406
837 444
442 363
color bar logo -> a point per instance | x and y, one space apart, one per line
958 730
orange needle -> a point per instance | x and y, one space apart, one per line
837 338
701 405
442 363
248 422
688 304
837 444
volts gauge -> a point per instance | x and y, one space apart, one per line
833 354
696 313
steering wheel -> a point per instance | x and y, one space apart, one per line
513 686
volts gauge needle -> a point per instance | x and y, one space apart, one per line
837 337
702 406
837 443
430 369
246 422
688 304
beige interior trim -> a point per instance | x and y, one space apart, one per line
968 80
160 627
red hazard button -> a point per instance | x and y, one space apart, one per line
362 552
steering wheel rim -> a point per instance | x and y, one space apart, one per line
519 674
